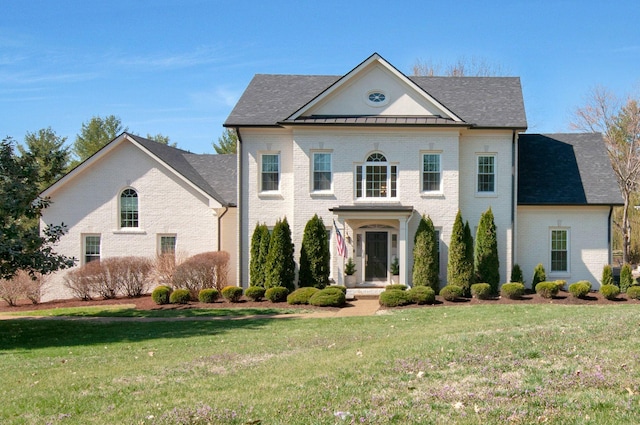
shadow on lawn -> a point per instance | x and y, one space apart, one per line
34 333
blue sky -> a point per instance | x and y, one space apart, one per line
178 67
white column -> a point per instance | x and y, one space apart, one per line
402 250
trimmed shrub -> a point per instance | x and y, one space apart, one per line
394 297
539 275
626 278
451 292
547 289
328 297
180 296
277 294
340 287
633 292
487 261
79 283
22 285
206 270
280 267
302 295
161 295
232 293
314 255
516 274
421 295
580 289
256 261
256 293
136 275
560 284
610 292
607 275
460 266
208 295
512 290
396 286
426 264
481 291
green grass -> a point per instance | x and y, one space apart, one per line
488 364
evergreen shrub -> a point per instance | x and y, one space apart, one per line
421 295
610 292
481 291
328 297
633 292
208 295
626 278
232 293
580 289
314 255
276 294
160 295
547 289
180 296
607 275
516 274
255 293
393 298
301 295
396 286
561 284
539 275
451 292
512 290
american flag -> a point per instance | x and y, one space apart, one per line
341 245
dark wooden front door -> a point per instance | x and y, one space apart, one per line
376 256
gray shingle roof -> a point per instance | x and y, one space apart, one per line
565 169
494 102
214 174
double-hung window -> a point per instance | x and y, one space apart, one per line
91 248
431 172
270 173
376 178
321 172
559 250
486 174
129 208
168 245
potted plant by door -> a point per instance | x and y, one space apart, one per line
349 270
395 271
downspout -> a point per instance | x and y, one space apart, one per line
514 197
239 206
609 234
226 208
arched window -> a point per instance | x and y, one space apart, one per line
376 178
129 208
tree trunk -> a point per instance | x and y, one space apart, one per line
626 230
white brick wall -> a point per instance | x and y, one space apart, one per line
588 244
88 204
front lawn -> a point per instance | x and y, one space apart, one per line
481 364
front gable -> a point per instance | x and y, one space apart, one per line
374 88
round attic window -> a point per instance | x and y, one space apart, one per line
376 98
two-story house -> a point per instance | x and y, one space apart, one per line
374 149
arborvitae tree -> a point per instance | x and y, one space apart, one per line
516 274
460 269
626 278
314 255
487 261
539 275
265 241
256 263
425 256
280 266
607 275
468 242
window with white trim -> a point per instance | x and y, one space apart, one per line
376 178
431 172
559 250
167 245
486 177
91 248
322 175
270 173
129 208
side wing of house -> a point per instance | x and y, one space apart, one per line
373 151
125 202
566 192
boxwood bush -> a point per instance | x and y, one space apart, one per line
610 292
276 294
256 293
208 295
512 290
180 296
561 284
232 293
481 291
451 292
396 286
580 289
161 294
302 295
393 298
340 287
328 297
547 289
421 295
633 292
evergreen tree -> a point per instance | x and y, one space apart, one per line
626 278
516 274
94 135
227 142
486 258
539 275
607 275
469 257
50 154
256 263
280 265
425 256
460 269
265 242
314 255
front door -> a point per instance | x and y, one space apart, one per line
376 256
